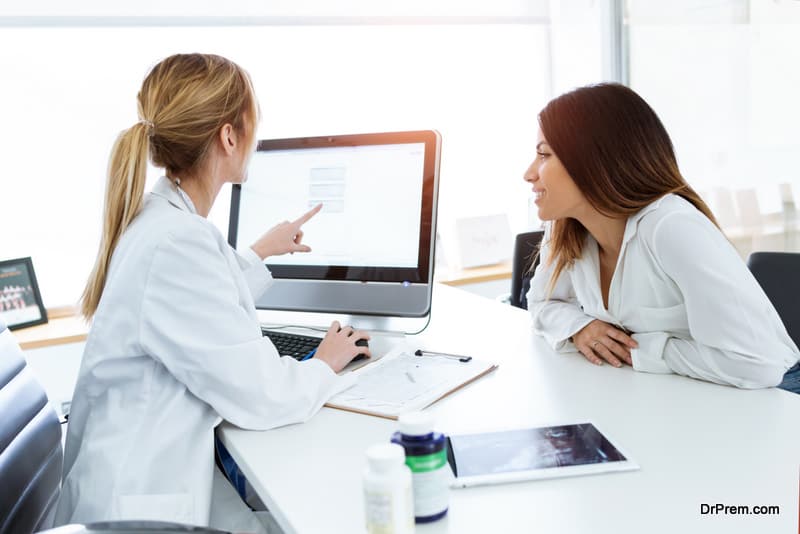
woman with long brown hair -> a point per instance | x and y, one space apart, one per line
634 268
175 347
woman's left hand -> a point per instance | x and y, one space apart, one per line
600 340
284 237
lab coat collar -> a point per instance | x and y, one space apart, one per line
633 221
166 189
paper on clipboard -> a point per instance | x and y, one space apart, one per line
401 382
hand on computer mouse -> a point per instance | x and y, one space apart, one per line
341 345
362 354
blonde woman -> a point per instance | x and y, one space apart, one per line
175 346
634 269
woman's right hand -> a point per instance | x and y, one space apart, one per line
284 237
599 341
338 347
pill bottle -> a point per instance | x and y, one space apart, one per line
427 458
388 503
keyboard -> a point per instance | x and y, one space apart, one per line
293 345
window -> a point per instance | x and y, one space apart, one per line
479 78
721 76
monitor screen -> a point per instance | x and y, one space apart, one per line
374 235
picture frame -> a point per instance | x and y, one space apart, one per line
20 301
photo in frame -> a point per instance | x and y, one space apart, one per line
20 301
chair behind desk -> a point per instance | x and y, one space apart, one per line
778 273
31 458
30 445
526 246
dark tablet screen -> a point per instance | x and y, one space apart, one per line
529 449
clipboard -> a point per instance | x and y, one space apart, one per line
402 382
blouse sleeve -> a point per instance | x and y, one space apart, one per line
737 337
193 323
556 316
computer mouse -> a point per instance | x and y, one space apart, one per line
361 343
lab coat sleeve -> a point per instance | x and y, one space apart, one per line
258 277
558 317
195 325
737 337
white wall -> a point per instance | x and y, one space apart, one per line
276 8
74 89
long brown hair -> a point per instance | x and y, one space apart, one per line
182 104
617 152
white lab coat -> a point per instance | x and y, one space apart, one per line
174 349
684 292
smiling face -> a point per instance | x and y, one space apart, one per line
557 196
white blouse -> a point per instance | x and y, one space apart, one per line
684 292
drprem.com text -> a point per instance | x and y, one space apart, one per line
724 509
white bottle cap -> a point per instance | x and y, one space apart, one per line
416 423
385 457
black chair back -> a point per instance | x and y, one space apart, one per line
778 273
133 527
526 247
30 445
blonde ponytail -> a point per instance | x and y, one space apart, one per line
124 195
183 103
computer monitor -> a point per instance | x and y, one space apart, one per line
373 241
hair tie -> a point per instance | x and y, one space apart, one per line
150 126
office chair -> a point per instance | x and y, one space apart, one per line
30 445
31 458
526 246
132 527
778 273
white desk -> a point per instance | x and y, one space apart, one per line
696 443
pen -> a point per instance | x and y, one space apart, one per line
460 358
309 355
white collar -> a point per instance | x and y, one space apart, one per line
632 225
171 191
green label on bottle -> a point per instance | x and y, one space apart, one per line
427 462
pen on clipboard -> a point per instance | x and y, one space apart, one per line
458 357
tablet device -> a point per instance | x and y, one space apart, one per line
533 453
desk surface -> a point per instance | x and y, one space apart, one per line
697 443
473 275
64 326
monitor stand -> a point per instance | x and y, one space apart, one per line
373 323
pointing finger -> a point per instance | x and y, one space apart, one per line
307 215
